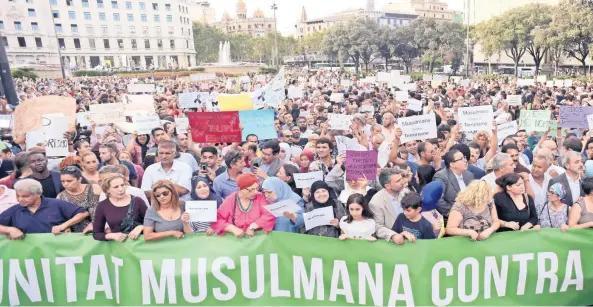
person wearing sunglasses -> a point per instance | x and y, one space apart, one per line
164 218
242 213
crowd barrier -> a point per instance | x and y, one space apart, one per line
549 268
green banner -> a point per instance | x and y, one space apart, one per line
547 268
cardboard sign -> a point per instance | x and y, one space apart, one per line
201 211
103 114
360 164
574 117
306 180
54 127
141 99
141 88
188 100
145 124
239 102
339 121
534 120
474 119
215 127
514 100
258 122
27 115
419 127
506 129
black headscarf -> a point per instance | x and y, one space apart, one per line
318 185
212 196
144 146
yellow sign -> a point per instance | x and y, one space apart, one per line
240 102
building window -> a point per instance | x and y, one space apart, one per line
155 6
106 43
104 29
38 42
130 17
89 29
132 30
114 5
159 43
157 30
102 16
61 43
85 3
143 18
146 44
1 25
134 44
56 14
142 6
72 15
172 43
128 5
74 28
145 30
69 2
34 26
87 15
18 25
77 43
92 43
31 12
169 18
157 18
58 27
100 4
22 42
53 2
29 1
116 16
120 44
168 7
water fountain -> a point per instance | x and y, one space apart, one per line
224 53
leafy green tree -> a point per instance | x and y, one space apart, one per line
535 18
572 22
404 47
436 39
386 43
206 42
338 41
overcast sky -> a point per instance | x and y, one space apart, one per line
289 11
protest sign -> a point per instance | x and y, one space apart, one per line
6 121
182 124
345 83
427 77
474 119
435 83
339 121
345 143
305 180
27 115
401 95
277 209
139 108
240 102
550 83
420 127
365 109
414 105
590 121
383 76
54 127
574 117
260 78
188 100
336 97
203 77
214 127
141 88
201 211
318 217
465 82
407 86
534 120
514 100
295 92
361 164
258 122
141 99
384 151
558 82
34 137
568 83
506 129
542 78
145 124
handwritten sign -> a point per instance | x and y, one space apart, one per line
140 99
339 121
414 105
278 209
534 120
574 117
103 114
54 127
336 97
506 129
258 122
214 127
419 127
188 100
306 180
182 124
295 92
474 119
590 121
360 164
514 100
318 217
145 124
27 115
401 95
203 77
141 88
345 143
201 211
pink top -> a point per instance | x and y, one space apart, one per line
256 214
8 199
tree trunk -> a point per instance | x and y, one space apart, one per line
516 61
386 59
583 62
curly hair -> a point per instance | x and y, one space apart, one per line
482 133
477 195
70 161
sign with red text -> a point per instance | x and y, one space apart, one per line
215 127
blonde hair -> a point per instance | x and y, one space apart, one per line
480 134
106 184
477 195
164 184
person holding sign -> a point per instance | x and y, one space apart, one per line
243 213
320 199
163 218
202 191
275 190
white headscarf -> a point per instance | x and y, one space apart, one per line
288 152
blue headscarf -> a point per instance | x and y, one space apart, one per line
212 196
431 193
282 190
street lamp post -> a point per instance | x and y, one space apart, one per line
274 8
467 41
5 76
53 20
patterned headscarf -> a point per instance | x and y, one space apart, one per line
558 189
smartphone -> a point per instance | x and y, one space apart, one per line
204 166
255 165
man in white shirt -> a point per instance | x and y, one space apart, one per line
539 180
168 169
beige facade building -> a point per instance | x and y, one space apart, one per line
201 11
435 9
480 10
256 25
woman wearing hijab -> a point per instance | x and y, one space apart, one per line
285 154
275 190
320 198
202 190
138 147
431 194
305 160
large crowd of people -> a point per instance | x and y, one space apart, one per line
115 186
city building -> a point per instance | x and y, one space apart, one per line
480 10
435 9
257 25
200 11
91 33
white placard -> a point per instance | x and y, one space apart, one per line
34 137
305 180
542 78
568 82
549 83
474 119
201 211
345 143
336 97
188 100
260 78
202 77
514 100
558 83
6 121
141 88
401 95
590 121
278 209
383 76
83 119
108 113
420 127
383 153
414 105
345 83
427 77
182 123
54 127
506 129
339 121
407 86
367 109
465 82
145 124
318 217
295 92
140 99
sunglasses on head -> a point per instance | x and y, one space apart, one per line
165 194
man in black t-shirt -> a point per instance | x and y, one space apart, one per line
50 180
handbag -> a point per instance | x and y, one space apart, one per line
128 224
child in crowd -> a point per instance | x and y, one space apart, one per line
411 224
359 223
